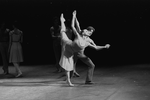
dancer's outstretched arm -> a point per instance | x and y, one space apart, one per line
78 25
21 37
93 45
73 24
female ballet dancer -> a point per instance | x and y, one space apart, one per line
16 55
55 33
66 60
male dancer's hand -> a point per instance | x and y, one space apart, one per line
107 46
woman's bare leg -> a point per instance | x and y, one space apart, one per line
18 71
68 78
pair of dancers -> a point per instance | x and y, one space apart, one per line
10 48
76 48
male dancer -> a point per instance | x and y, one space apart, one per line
55 33
4 45
82 41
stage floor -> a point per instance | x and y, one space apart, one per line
128 82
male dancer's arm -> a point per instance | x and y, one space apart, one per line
10 41
21 37
93 45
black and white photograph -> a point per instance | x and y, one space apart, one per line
74 49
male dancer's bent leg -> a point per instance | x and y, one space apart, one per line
57 53
91 67
75 74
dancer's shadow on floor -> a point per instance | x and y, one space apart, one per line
16 83
53 83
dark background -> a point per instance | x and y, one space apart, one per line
124 24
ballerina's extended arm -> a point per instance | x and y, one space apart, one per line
73 24
77 25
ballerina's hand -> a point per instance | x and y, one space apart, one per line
62 18
74 12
